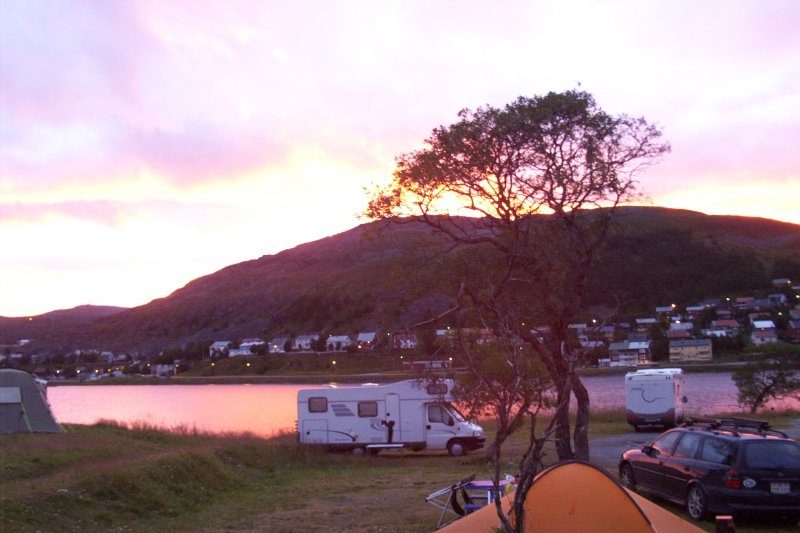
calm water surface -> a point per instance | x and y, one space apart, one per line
260 409
270 409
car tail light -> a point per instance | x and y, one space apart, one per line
733 479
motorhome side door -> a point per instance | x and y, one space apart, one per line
439 426
314 432
391 418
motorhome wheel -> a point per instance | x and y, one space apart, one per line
456 448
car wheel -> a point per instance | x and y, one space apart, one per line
696 504
456 448
358 450
626 477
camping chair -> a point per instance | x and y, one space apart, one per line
447 499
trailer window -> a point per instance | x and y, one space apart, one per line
368 409
318 404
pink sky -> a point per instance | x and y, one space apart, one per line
146 143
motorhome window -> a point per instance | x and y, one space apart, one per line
437 413
368 409
318 404
437 389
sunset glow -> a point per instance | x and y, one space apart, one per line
144 144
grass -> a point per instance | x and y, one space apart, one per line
111 478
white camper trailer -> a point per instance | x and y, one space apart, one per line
409 414
654 397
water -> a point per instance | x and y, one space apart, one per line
269 409
260 409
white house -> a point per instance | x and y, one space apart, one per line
218 348
302 343
643 324
764 336
337 343
405 341
278 345
627 353
763 324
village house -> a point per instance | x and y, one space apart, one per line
278 344
218 348
763 324
338 343
367 340
722 328
690 350
302 343
752 317
162 371
675 334
778 299
665 310
760 337
607 332
627 353
404 341
764 332
245 347
695 311
681 326
644 324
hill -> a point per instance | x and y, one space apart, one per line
380 277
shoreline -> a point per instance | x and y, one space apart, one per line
311 378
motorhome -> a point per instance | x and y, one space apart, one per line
415 414
654 397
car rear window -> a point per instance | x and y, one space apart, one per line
717 451
772 454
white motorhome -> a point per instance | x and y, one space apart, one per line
654 397
412 414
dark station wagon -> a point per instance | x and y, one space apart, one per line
719 466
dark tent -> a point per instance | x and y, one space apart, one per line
23 404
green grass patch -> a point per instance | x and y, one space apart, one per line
108 477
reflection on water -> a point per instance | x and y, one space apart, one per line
260 409
269 409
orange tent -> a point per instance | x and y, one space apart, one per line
575 497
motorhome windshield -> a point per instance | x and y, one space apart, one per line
456 413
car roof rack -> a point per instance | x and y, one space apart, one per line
733 425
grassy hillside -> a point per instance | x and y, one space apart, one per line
381 277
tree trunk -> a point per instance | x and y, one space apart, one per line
563 438
581 438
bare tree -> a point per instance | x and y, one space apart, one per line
537 183
773 373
